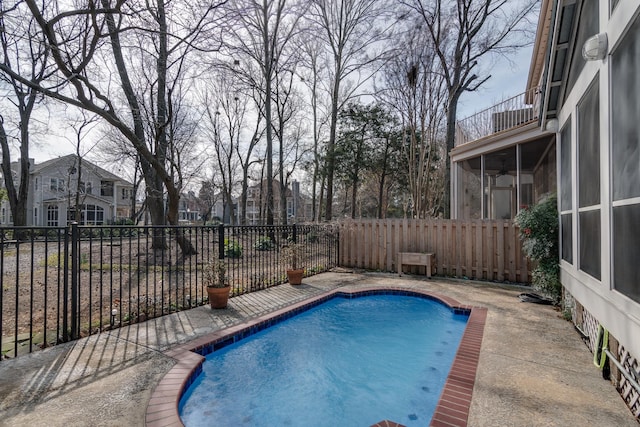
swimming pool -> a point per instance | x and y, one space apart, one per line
344 362
454 402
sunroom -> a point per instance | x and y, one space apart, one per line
502 160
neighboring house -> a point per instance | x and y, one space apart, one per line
103 197
591 105
189 208
299 207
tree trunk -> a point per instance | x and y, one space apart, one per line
244 195
17 199
450 138
330 168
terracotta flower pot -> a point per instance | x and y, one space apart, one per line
295 276
218 297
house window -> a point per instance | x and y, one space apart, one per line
3 217
106 188
566 214
625 158
56 184
125 193
91 215
52 216
84 187
588 138
500 193
35 216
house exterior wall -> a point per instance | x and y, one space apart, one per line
592 108
599 179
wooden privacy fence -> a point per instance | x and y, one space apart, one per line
478 249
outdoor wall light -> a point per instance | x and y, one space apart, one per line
552 125
595 47
114 313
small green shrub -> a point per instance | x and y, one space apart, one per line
263 243
232 249
312 237
539 233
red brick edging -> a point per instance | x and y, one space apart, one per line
452 408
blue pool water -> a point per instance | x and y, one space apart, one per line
347 362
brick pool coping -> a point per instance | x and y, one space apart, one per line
452 408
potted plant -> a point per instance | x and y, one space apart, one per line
215 278
292 255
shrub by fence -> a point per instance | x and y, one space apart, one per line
61 283
479 249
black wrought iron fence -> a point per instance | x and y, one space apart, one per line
62 283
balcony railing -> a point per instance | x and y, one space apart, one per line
509 114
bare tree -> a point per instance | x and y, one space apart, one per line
351 30
208 196
224 113
462 33
79 39
288 108
78 193
115 149
247 159
264 30
313 78
415 88
24 53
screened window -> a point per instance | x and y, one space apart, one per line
625 162
500 192
625 103
565 167
589 147
590 242
566 193
588 139
469 189
566 225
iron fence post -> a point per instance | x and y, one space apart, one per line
295 233
221 241
65 287
75 318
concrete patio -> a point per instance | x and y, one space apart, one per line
534 369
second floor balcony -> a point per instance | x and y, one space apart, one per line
509 114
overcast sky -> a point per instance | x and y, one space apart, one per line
507 80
